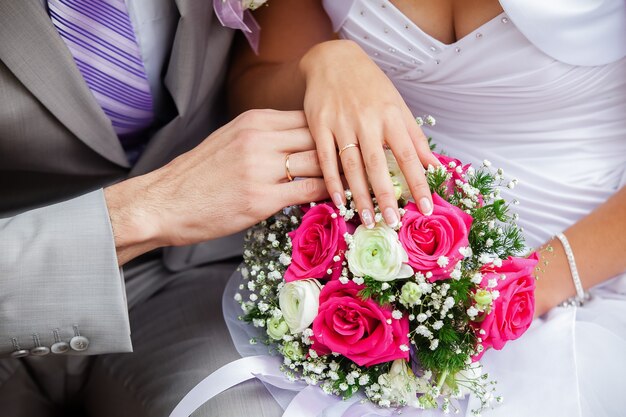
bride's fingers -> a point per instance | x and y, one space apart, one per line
354 171
303 164
378 174
327 156
409 163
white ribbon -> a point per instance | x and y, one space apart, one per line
224 378
311 401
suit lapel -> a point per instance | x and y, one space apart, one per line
32 49
194 77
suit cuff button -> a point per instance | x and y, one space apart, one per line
79 343
20 353
60 347
40 351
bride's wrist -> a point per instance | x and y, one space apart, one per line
325 54
554 283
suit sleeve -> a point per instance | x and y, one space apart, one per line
60 284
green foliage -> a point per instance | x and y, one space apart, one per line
253 313
374 290
437 182
451 354
483 181
460 290
431 144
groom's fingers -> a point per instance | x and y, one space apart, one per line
293 140
285 141
302 164
302 191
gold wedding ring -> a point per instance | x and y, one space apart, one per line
289 177
349 145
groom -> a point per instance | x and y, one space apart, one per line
108 153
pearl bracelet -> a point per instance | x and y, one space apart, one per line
581 296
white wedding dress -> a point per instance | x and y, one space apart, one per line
558 128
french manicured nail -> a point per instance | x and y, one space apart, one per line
426 207
338 200
391 218
367 218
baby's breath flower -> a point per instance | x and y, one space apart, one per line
477 278
358 280
442 261
472 312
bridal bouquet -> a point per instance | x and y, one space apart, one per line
401 315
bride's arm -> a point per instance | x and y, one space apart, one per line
598 242
347 100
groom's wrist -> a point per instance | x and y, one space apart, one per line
134 219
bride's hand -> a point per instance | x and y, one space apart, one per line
349 100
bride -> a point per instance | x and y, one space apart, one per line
539 90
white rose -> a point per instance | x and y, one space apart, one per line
378 253
252 4
299 302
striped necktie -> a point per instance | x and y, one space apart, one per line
100 36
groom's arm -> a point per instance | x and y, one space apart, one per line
59 265
59 278
231 181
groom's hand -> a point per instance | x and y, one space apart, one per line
232 180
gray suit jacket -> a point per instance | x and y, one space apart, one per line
58 268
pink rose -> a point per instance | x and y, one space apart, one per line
427 239
358 329
512 312
315 243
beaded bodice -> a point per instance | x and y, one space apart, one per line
558 128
